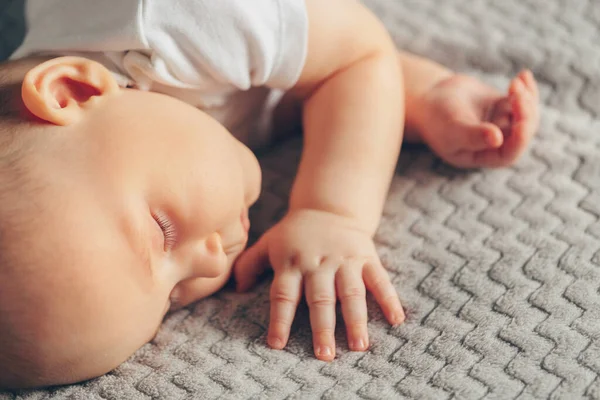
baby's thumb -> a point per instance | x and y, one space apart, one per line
250 264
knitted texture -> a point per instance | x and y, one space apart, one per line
499 269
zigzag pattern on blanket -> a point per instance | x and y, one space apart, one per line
499 269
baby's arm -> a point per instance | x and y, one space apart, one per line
352 94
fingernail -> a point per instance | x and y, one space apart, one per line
397 319
493 140
276 343
324 351
519 86
359 345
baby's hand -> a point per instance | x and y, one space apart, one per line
330 258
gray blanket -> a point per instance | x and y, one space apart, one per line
499 269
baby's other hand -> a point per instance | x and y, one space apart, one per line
472 125
327 256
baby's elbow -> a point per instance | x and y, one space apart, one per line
383 67
343 34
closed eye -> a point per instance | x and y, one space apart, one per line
168 229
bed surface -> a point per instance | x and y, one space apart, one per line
499 269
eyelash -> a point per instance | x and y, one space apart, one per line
167 228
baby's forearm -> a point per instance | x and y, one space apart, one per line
353 127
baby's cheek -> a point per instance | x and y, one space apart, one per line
156 240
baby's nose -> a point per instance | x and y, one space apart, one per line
208 259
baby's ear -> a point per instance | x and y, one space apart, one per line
60 90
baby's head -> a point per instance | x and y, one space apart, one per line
115 206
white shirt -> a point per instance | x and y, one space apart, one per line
213 54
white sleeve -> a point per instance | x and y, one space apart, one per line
245 43
206 45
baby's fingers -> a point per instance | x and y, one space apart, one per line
352 294
286 290
250 264
320 297
378 282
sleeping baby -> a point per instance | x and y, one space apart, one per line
126 172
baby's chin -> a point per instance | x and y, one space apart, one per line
200 288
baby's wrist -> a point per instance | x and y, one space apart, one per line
331 215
